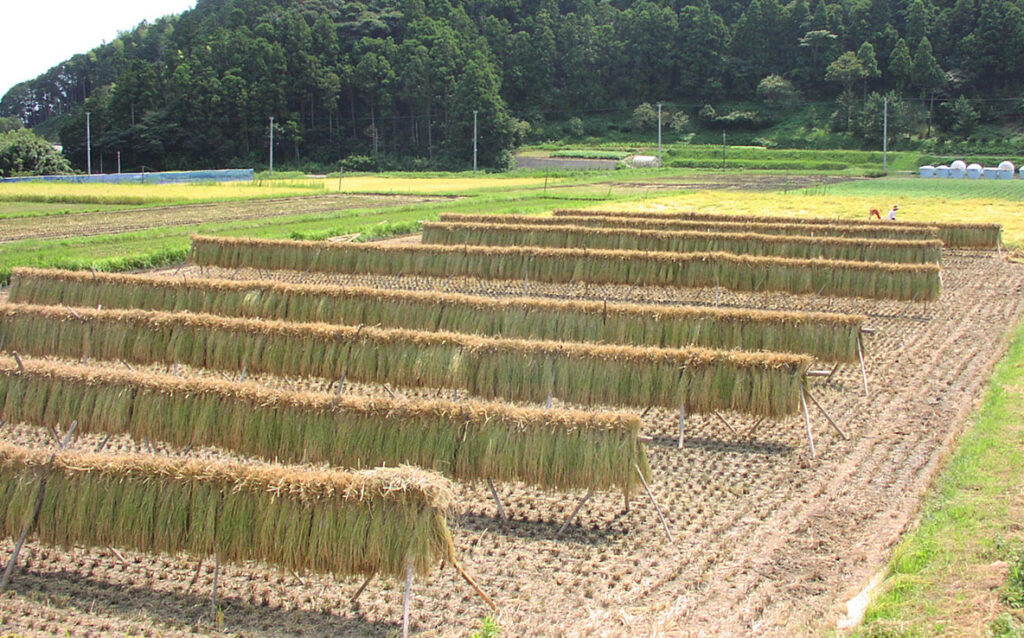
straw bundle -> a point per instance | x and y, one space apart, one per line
759 383
327 521
867 231
953 235
470 441
827 336
551 265
796 246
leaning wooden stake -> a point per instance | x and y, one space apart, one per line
807 421
576 511
361 588
828 416
405 601
682 424
494 493
863 370
727 424
657 509
216 576
476 588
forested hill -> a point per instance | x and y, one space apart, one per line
401 78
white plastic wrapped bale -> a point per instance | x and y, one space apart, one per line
942 172
990 172
927 171
645 161
974 171
1006 169
958 169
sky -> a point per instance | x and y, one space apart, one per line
36 35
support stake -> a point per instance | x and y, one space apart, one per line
863 370
727 424
682 424
216 575
807 421
828 416
576 511
476 588
405 601
494 493
657 509
361 588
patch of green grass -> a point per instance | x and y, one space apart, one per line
591 154
969 521
908 187
488 629
18 210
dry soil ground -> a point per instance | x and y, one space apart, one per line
122 221
767 540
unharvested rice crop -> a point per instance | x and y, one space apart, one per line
827 336
871 231
953 235
297 518
766 384
470 441
551 265
795 246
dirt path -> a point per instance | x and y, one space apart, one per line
768 542
106 222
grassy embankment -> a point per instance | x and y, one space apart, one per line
961 572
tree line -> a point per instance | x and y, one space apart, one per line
399 80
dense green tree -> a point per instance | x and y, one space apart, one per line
900 65
24 153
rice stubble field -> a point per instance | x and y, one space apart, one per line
767 540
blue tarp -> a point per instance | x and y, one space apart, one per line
169 177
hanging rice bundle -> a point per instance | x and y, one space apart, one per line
470 441
552 265
766 384
867 231
797 246
296 518
952 234
827 336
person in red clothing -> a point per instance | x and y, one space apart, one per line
874 213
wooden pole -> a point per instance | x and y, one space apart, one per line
657 509
216 576
827 416
832 371
863 370
476 588
361 588
405 601
576 511
807 421
727 424
494 493
682 424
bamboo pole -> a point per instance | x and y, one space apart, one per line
361 588
406 600
657 509
682 424
576 511
828 416
863 370
494 493
807 421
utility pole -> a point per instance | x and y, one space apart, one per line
271 145
659 134
885 136
119 162
88 145
723 150
474 139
